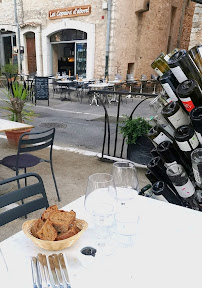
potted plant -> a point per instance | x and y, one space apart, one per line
17 110
139 146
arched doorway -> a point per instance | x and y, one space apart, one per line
31 52
69 49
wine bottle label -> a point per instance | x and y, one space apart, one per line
197 176
161 137
158 71
188 145
167 57
200 50
199 136
188 104
186 190
179 74
179 118
170 92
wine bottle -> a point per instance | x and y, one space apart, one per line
183 185
170 155
169 84
164 193
190 94
160 65
186 139
183 67
175 115
157 134
154 152
158 103
196 54
167 56
160 120
196 119
157 168
151 177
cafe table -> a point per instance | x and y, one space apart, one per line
98 86
166 253
6 125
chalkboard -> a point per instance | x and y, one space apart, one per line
41 89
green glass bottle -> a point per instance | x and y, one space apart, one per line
160 65
196 54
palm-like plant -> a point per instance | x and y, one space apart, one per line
16 104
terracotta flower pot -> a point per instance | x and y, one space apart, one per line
13 136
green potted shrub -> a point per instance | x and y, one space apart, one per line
17 110
135 131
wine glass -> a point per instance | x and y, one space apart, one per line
127 186
100 203
126 180
3 269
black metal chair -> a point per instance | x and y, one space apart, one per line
36 188
29 142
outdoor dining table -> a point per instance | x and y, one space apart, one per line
98 86
6 125
166 253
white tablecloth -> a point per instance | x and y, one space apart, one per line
167 252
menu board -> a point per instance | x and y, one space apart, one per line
41 89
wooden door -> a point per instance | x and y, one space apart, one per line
31 55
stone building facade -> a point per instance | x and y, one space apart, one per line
139 30
196 31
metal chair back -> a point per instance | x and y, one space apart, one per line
37 188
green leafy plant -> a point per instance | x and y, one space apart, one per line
132 129
16 107
10 68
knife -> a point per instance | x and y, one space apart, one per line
57 269
45 265
52 267
64 269
42 271
35 276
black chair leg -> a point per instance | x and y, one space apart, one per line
56 188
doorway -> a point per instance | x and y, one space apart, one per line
31 52
69 52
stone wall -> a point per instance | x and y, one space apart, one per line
135 37
196 31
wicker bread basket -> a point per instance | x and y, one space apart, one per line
54 245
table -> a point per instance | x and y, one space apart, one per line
166 254
98 86
6 125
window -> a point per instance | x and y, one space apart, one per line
68 35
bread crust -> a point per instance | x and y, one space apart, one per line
36 227
61 220
71 232
47 232
46 214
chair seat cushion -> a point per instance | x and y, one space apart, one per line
25 160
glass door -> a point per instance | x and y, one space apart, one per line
81 49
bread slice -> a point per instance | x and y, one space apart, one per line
61 220
36 227
71 232
47 232
48 212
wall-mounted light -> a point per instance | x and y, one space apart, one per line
15 49
21 49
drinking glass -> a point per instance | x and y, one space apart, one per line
196 158
100 203
126 180
127 186
3 270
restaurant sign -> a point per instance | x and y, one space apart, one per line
70 12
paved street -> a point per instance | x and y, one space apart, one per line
80 125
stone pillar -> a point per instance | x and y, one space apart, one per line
38 47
